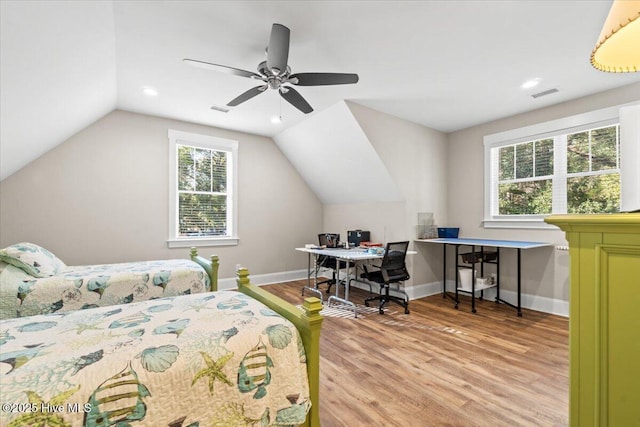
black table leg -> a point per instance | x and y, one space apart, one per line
519 286
473 280
444 271
498 275
456 273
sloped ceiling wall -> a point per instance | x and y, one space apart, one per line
42 57
335 158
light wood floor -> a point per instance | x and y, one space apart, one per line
441 367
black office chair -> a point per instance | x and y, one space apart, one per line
393 270
330 240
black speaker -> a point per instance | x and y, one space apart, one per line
354 237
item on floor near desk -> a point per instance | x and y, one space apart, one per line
448 232
465 278
355 237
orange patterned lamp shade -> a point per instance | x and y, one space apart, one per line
618 47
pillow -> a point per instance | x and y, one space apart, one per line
32 259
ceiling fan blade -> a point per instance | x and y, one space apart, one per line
321 79
295 99
222 68
247 95
278 49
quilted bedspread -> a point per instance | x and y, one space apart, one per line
209 359
93 286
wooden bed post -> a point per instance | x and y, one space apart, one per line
215 263
210 267
311 342
308 321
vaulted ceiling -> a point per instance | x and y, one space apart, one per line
446 65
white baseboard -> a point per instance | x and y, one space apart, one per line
531 302
264 279
538 303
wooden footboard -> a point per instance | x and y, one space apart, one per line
210 266
308 321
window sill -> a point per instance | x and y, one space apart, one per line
535 224
202 242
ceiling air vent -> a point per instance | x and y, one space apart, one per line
546 92
221 109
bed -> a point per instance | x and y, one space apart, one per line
35 281
240 357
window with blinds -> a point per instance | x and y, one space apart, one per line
202 195
203 179
573 172
525 178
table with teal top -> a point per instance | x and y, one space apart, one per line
482 243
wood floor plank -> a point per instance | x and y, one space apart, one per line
439 366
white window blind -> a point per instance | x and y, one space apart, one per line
203 207
202 195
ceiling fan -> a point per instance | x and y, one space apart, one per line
275 73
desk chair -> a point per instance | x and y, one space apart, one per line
393 270
330 240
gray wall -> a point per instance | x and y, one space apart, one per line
415 157
374 172
102 197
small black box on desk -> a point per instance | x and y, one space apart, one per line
354 237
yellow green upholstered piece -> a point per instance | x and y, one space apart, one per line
604 325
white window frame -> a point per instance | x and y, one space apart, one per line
177 138
567 125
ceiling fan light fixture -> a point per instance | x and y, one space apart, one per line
618 47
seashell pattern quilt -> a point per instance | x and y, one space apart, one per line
208 359
90 286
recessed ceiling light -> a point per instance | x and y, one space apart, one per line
149 91
530 83
276 119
